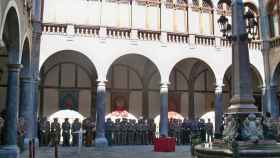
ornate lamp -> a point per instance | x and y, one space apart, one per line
251 24
224 25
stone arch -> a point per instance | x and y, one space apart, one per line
11 35
130 54
68 74
197 81
135 78
257 84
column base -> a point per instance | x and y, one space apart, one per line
101 142
9 151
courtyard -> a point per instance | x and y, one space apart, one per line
112 152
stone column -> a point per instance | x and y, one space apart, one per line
269 99
12 106
100 140
26 108
274 108
163 127
218 108
242 100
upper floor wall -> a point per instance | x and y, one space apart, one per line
180 16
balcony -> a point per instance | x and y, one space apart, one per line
144 35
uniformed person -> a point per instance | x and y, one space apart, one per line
202 129
75 129
117 132
152 130
178 131
89 132
131 132
172 126
123 132
139 132
55 132
66 132
209 131
44 131
186 126
109 130
145 135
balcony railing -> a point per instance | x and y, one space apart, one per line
205 40
177 37
123 33
54 28
225 42
86 30
255 45
147 35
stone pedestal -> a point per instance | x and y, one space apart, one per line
100 140
242 100
163 125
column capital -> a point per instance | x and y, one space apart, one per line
101 82
219 88
164 84
14 67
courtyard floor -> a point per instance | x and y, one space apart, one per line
112 152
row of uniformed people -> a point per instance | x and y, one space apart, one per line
50 133
130 132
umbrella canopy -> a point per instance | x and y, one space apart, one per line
171 115
62 114
120 115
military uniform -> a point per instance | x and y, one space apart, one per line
66 132
145 133
117 132
123 132
202 129
55 132
139 133
75 129
209 131
89 134
44 132
131 133
109 131
152 130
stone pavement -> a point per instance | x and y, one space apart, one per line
112 152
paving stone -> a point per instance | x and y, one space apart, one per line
112 152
